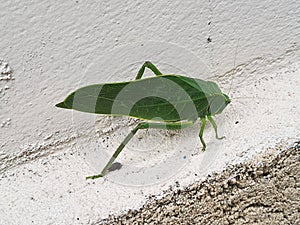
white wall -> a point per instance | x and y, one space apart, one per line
50 49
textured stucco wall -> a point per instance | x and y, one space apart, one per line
47 49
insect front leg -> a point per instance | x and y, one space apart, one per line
203 120
215 127
151 67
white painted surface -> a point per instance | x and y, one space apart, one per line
48 50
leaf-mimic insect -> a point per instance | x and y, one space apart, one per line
165 101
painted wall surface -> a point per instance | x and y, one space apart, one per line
250 48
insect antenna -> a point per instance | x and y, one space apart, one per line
264 98
234 65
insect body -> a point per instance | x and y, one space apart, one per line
162 102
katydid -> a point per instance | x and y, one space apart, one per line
164 101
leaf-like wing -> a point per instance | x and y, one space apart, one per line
167 98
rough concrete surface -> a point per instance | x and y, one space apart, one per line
258 192
249 48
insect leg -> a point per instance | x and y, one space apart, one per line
151 67
203 120
168 125
117 152
215 127
143 125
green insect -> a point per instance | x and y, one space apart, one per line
165 101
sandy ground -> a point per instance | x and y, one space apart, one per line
258 192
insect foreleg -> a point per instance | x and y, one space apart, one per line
151 67
142 125
203 120
215 127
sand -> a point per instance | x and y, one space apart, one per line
257 192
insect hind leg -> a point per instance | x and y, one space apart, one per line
142 125
117 152
149 65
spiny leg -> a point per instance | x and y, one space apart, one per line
203 120
215 127
151 67
143 125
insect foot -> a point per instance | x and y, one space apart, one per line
94 176
220 138
197 152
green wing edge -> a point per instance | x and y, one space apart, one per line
62 105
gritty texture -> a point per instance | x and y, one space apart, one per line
265 192
250 48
